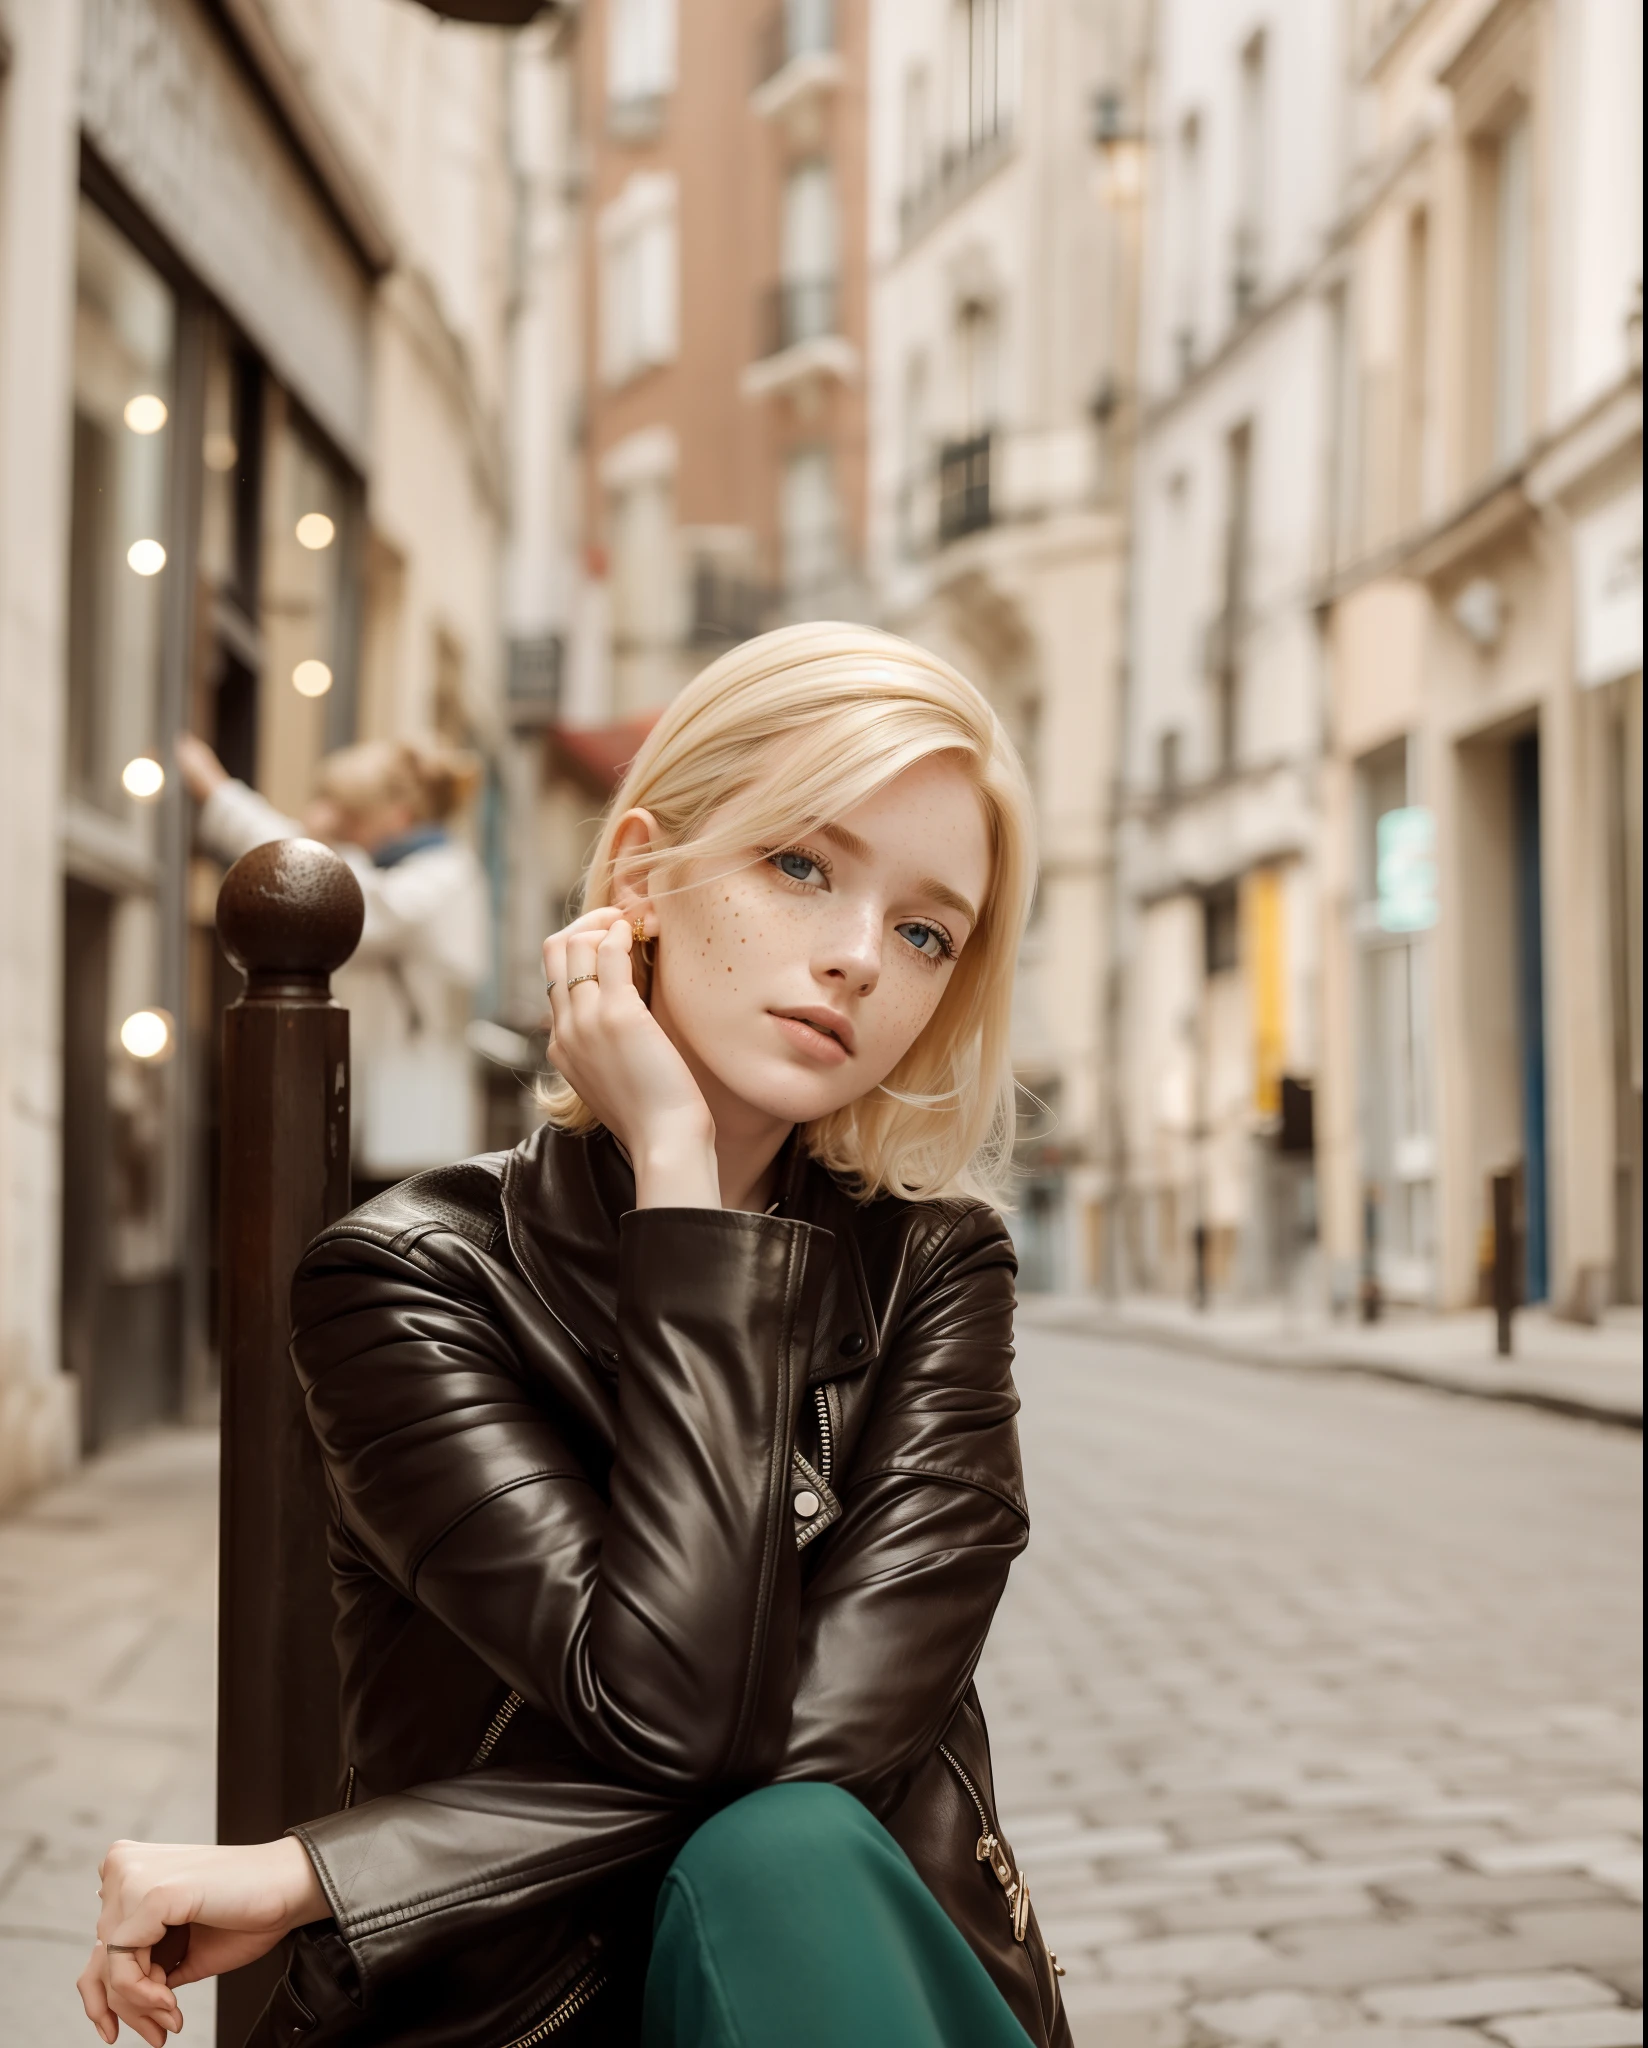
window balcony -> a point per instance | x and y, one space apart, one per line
796 59
799 337
963 487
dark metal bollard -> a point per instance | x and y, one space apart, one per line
1504 1259
288 914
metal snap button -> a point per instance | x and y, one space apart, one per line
807 1503
852 1344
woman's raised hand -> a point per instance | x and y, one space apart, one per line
616 1054
235 1902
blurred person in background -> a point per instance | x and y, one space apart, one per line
387 806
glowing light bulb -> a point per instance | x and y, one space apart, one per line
219 451
146 557
315 531
147 1034
143 777
145 414
311 679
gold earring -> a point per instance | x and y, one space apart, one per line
638 926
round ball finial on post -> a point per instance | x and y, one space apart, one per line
289 913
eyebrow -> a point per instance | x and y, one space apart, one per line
861 849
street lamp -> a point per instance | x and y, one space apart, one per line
1120 144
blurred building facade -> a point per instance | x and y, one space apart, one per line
256 343
1003 208
1482 822
717 442
1217 822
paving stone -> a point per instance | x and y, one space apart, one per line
1257 1911
1610 2027
1475 1998
1271 2015
1570 1853
1468 1888
1392 2037
1581 1934
1187 1955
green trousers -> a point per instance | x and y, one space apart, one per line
794 1920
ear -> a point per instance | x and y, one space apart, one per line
634 843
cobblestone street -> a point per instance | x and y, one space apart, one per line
1315 1707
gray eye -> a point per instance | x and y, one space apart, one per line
799 867
925 939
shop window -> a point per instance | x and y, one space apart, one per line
307 607
120 538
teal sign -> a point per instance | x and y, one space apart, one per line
1405 849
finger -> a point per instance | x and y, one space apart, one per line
555 978
95 1998
612 958
580 960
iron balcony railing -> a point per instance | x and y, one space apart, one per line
963 487
800 28
797 310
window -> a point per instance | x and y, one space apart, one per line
918 138
645 571
1247 267
807 256
120 533
639 277
981 107
1227 664
640 52
1221 930
1512 299
978 362
811 515
1188 259
1415 365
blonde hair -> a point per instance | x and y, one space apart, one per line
791 731
433 778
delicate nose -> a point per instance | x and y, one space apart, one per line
854 956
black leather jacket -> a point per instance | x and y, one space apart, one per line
637 1510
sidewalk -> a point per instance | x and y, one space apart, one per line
107 1698
1574 1370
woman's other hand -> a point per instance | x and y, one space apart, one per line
200 768
611 1049
236 1902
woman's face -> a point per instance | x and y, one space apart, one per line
794 981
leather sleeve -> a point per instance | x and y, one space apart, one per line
659 1631
894 1622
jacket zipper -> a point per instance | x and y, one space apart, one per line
826 1443
512 1705
1013 1882
583 1990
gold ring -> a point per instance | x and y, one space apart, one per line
573 983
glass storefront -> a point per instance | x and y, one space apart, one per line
212 573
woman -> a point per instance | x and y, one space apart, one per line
674 1452
388 806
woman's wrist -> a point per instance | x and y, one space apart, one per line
678 1171
300 1886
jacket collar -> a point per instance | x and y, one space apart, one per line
563 1198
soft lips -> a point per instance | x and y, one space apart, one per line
817 1044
